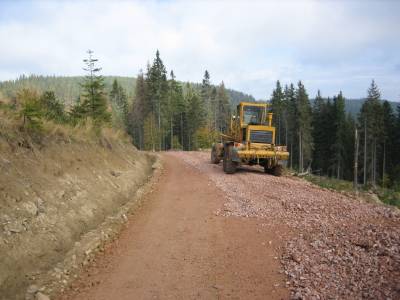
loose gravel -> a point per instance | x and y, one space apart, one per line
338 247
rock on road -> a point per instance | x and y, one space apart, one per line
202 234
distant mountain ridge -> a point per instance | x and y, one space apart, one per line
67 88
353 106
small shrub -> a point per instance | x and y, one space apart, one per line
30 110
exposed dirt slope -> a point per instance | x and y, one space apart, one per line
177 246
51 197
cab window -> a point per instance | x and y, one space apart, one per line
252 115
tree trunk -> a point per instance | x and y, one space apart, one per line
159 126
384 163
300 153
365 151
286 131
279 129
374 162
338 170
172 135
355 183
152 134
291 153
182 132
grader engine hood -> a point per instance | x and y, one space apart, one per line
260 134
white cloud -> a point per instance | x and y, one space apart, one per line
249 45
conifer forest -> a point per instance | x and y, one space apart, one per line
161 113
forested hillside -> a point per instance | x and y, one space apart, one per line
162 113
353 106
68 88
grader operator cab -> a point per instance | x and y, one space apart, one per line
250 141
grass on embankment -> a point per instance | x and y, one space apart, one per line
12 131
385 195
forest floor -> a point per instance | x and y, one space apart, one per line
202 234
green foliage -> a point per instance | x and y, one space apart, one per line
53 109
94 103
330 183
157 93
66 89
30 110
223 109
196 114
77 113
119 103
390 197
370 121
137 112
304 128
205 138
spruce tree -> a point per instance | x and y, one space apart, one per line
338 147
214 109
396 157
30 110
371 125
119 102
223 109
277 103
195 116
388 141
319 133
53 109
290 116
157 93
94 99
349 149
304 128
175 109
138 112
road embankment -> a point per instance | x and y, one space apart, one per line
59 203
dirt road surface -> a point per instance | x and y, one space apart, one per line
202 234
176 246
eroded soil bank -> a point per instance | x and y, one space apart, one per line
52 199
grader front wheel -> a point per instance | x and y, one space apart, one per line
229 165
214 155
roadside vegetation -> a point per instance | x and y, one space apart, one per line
369 193
32 117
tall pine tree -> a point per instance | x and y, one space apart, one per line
304 128
277 103
94 100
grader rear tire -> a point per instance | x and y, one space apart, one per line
214 155
278 170
268 170
229 166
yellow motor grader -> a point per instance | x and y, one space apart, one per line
250 141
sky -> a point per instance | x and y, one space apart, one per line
329 45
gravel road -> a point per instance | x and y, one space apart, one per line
341 247
202 234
